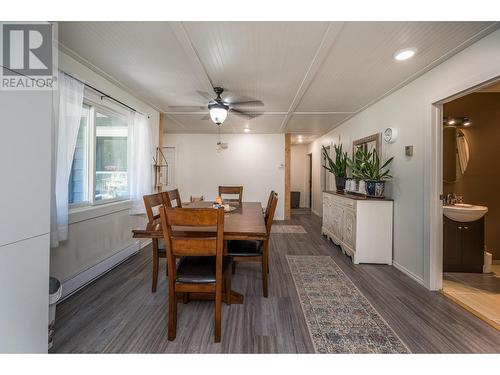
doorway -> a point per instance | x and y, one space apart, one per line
309 179
471 205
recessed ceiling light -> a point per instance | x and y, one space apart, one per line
246 130
299 140
405 54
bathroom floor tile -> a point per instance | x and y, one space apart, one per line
479 293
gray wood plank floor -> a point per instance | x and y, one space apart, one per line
119 314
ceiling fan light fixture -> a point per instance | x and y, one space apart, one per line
218 112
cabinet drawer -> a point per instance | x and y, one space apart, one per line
344 202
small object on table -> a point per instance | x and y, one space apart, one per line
218 200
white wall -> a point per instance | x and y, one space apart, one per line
410 109
24 220
298 172
97 233
252 160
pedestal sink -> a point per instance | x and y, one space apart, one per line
464 213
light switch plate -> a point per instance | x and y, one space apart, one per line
409 150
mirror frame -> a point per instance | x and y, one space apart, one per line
377 138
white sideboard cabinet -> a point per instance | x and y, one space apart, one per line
361 226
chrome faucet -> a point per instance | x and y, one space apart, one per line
451 199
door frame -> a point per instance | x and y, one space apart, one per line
433 269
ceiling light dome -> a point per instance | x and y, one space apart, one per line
405 54
218 112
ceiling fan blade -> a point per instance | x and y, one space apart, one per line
249 103
187 108
246 115
205 95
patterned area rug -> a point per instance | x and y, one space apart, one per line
288 229
340 319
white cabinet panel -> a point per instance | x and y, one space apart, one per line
349 233
25 164
362 227
24 296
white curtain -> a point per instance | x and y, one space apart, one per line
68 108
141 157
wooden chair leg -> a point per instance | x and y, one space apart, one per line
172 314
264 275
227 287
218 311
185 297
234 267
155 266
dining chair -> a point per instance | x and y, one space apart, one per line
202 267
171 196
232 190
268 206
256 251
152 203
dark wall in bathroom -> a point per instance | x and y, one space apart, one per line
480 183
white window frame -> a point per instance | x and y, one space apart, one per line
90 146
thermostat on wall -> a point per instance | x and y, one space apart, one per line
390 135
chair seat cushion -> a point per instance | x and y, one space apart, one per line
199 270
244 248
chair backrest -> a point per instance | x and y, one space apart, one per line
151 202
232 190
172 195
269 216
193 243
266 212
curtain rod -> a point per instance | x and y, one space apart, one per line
104 95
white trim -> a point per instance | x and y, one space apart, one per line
315 212
407 272
83 213
84 278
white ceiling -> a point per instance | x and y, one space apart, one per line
310 75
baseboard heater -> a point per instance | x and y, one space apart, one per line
73 285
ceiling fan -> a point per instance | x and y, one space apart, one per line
219 108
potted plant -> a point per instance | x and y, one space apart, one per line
337 167
366 166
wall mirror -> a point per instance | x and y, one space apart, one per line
369 143
455 154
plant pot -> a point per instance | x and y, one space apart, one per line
340 183
375 188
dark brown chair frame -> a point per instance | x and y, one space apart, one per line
187 244
150 202
172 195
233 190
263 256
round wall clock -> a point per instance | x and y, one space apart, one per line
390 135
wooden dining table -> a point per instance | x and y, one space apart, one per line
246 222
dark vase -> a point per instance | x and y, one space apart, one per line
340 183
375 188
